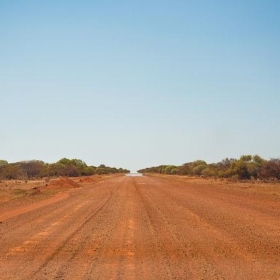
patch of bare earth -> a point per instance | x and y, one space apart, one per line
146 228
16 195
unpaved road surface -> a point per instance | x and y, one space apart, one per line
144 228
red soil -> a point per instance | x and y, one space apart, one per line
145 228
62 183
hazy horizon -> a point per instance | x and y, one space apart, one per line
139 84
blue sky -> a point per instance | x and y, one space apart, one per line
139 83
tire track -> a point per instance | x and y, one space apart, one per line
224 234
144 228
56 235
184 260
79 227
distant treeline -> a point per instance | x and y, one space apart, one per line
246 167
65 167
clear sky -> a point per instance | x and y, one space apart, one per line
136 84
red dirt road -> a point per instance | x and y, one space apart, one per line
144 228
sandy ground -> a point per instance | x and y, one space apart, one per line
147 227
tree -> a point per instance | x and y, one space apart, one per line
170 169
198 169
32 168
242 170
64 161
3 162
246 158
270 169
185 169
258 160
246 167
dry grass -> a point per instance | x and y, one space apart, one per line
271 188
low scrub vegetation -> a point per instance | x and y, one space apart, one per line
246 167
64 167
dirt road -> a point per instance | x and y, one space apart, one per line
144 228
